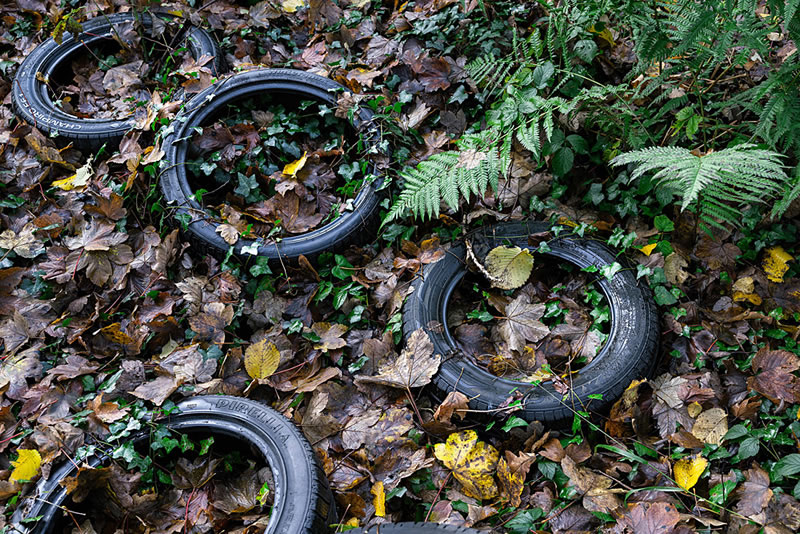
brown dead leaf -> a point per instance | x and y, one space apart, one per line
775 379
414 368
521 323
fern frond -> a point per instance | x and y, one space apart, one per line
719 182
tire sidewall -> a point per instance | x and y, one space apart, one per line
628 353
284 448
177 190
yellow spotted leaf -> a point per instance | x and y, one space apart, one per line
775 263
379 501
508 267
290 6
711 425
113 333
472 462
688 471
27 465
648 249
262 359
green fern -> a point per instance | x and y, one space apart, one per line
718 184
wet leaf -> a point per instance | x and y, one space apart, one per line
688 471
79 179
414 368
472 462
755 494
651 518
26 466
775 378
508 267
511 473
330 336
291 169
23 243
261 359
775 263
379 500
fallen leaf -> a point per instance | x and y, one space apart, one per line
775 378
521 323
651 518
775 263
290 6
330 336
508 267
511 473
379 501
648 249
472 462
27 465
711 426
291 169
23 243
79 179
414 368
229 233
261 359
755 494
688 471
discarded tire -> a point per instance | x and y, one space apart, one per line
33 103
303 501
419 528
630 351
354 226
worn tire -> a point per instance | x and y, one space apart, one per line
419 528
352 227
31 98
303 501
630 352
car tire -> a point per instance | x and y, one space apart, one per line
352 227
303 500
31 97
630 352
419 528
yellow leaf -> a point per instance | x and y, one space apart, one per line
291 169
775 263
290 6
688 471
648 249
380 499
711 426
79 179
261 359
605 34
352 522
694 409
113 333
508 267
27 465
472 462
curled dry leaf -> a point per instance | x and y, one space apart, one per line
414 368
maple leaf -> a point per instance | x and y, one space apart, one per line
23 243
521 323
472 462
210 324
414 368
775 379
157 391
651 518
97 249
511 473
754 495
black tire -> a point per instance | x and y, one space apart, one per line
630 351
419 528
352 227
31 98
303 501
